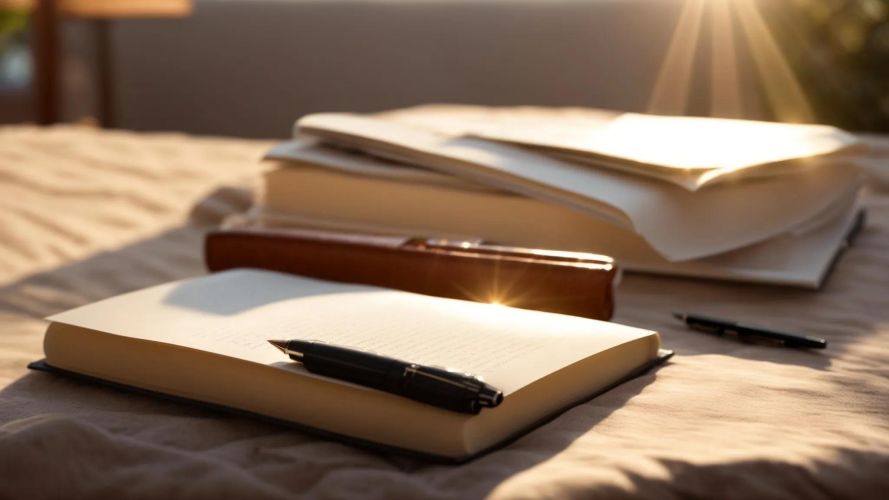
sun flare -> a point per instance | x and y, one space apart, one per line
732 25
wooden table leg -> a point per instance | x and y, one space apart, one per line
45 39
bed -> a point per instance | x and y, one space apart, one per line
87 213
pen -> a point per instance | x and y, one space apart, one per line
749 332
446 388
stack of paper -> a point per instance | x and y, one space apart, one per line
733 199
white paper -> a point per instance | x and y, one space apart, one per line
234 313
678 224
691 152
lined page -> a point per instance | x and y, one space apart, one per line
234 313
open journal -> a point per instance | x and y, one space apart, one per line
205 340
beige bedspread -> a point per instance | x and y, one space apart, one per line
85 214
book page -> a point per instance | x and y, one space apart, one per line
693 180
680 225
234 313
682 142
308 151
691 152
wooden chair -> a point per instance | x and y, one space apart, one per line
48 14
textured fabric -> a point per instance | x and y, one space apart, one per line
86 214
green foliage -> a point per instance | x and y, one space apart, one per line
840 51
12 23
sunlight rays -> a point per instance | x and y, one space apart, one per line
670 94
727 19
725 91
783 91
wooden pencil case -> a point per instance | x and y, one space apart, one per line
575 283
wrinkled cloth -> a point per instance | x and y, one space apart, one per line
86 214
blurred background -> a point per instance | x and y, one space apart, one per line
248 68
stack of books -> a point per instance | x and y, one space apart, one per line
701 197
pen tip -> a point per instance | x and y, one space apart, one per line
679 316
280 344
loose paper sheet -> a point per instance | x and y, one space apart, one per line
308 151
691 152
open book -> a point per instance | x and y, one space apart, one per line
204 339
679 224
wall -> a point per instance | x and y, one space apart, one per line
250 67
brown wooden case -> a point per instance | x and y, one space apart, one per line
575 283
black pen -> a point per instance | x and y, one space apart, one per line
749 332
449 389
